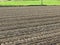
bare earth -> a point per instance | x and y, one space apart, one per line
34 25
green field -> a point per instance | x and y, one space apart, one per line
38 2
51 2
21 3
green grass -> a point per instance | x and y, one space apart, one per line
21 3
51 2
38 2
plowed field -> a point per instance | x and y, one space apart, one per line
34 25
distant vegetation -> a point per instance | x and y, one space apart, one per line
29 2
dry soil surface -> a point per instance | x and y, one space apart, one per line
32 25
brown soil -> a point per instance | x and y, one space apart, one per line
34 25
